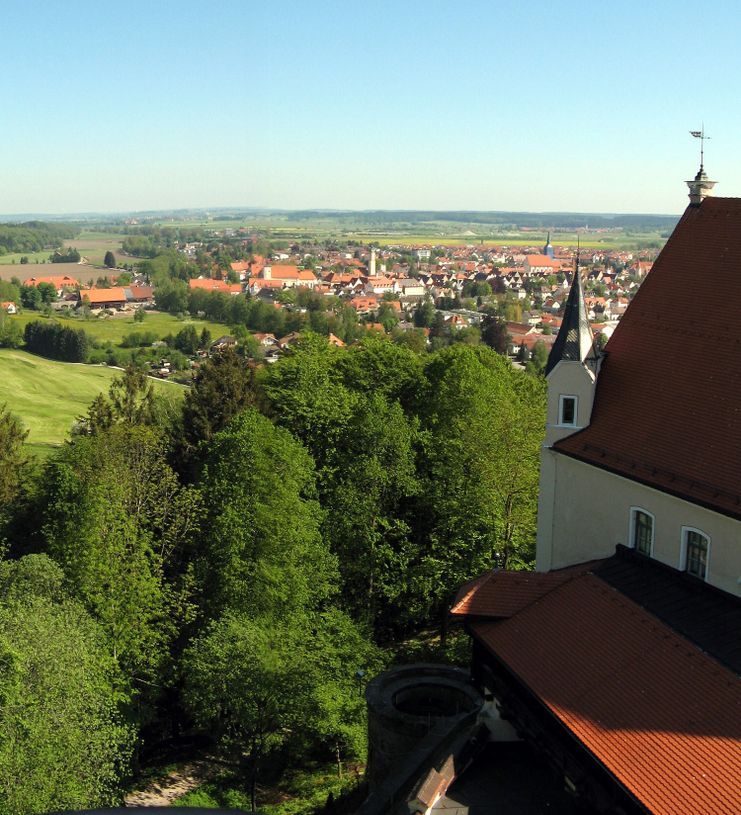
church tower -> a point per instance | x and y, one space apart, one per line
548 249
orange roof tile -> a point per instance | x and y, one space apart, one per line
96 296
659 714
59 281
504 593
209 284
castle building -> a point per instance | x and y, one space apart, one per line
619 657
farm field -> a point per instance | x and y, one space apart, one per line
79 271
114 329
48 396
617 241
94 245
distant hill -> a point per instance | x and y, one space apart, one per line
386 217
531 220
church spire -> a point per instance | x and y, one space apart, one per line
574 341
548 249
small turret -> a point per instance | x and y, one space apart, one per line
700 186
574 341
548 249
571 371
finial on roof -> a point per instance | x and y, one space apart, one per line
700 186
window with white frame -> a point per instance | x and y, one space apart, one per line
696 552
567 406
641 530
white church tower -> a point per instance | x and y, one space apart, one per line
571 375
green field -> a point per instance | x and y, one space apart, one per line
48 396
114 329
94 245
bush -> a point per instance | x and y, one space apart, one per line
57 341
139 339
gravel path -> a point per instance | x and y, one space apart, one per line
163 792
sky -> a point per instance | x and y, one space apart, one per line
480 105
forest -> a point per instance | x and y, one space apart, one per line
34 236
223 571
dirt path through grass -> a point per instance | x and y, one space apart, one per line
165 791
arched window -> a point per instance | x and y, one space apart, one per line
642 530
696 546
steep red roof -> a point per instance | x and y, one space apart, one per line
659 714
667 410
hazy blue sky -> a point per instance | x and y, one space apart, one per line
443 105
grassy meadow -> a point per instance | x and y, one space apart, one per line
48 396
114 329
92 245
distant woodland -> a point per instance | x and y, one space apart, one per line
34 236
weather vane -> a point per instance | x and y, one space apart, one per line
700 134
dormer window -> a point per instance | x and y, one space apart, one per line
641 531
696 553
567 410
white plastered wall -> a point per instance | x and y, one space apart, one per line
584 512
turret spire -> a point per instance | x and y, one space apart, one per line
574 341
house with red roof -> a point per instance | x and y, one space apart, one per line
114 297
60 282
289 276
211 284
9 307
619 658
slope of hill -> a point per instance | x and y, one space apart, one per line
48 396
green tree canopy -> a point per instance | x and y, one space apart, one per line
62 742
263 552
115 518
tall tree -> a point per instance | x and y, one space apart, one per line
13 460
115 518
494 333
62 742
110 260
484 423
221 390
262 552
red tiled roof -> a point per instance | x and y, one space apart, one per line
660 715
214 285
285 272
541 260
503 593
56 280
97 296
667 407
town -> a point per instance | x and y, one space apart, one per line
426 295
